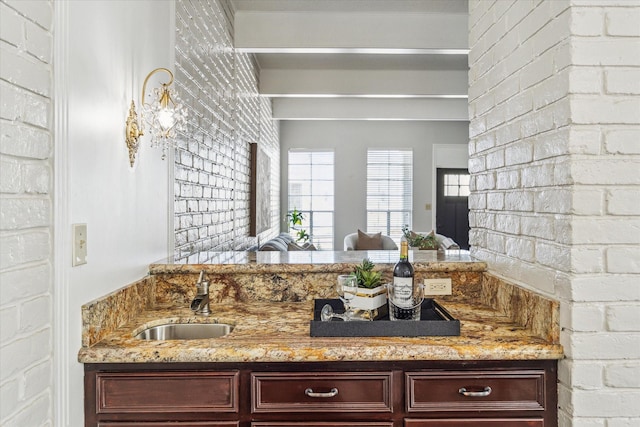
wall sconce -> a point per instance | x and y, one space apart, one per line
164 115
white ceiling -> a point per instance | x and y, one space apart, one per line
358 59
425 6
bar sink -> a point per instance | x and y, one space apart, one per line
185 331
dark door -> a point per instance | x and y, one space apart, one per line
452 205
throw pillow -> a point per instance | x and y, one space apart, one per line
368 241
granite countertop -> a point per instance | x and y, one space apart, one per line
311 261
268 297
279 332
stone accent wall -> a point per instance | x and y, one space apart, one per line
26 207
212 165
554 102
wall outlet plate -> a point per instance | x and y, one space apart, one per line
79 248
437 286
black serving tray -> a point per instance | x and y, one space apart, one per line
434 321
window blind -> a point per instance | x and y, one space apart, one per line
389 191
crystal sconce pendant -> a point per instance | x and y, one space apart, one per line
164 116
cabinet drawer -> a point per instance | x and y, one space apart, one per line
321 392
475 422
322 424
170 424
165 392
508 390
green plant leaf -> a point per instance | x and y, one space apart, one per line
366 277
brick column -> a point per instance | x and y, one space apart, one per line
554 101
26 213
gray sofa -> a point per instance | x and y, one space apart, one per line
283 243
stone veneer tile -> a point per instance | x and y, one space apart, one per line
527 309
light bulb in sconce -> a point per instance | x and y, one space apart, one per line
166 119
164 115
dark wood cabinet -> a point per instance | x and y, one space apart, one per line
323 394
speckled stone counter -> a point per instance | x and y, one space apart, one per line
311 261
271 314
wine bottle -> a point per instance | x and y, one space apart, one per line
403 277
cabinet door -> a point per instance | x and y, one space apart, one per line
475 422
321 392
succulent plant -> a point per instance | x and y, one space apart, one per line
366 277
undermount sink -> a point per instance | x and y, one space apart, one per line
185 331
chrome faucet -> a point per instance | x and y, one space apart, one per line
200 304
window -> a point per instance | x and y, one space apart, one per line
456 185
389 191
311 191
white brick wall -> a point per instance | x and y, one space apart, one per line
212 165
554 97
25 213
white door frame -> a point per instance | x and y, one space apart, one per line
61 239
451 156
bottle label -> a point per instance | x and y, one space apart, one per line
402 290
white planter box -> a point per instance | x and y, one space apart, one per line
370 299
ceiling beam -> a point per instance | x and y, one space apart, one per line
356 32
370 109
372 83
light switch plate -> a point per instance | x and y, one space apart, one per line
437 286
79 249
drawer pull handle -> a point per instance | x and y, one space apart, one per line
309 392
485 392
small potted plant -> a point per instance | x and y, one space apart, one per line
372 294
295 218
420 241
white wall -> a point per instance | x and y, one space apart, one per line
554 102
110 47
26 214
350 141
